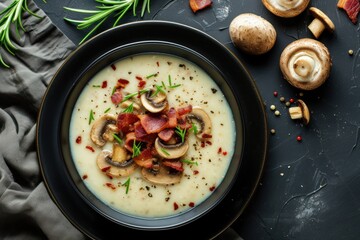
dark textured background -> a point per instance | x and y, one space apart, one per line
309 189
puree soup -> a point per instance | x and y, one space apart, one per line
152 135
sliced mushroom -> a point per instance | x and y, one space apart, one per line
103 129
162 175
286 8
202 118
128 103
306 63
154 102
300 112
116 163
320 23
171 151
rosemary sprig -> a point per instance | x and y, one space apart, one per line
181 133
115 8
12 15
127 185
136 149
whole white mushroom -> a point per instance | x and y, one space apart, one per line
252 34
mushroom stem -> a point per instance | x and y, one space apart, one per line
316 27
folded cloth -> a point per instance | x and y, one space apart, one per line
26 209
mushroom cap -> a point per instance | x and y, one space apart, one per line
252 33
199 115
305 111
317 13
171 151
153 103
102 129
306 63
164 175
286 8
104 161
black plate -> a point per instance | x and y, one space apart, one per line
65 186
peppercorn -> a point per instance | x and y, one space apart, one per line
299 138
351 52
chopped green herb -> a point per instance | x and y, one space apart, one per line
194 129
91 116
136 149
189 162
97 86
158 89
127 97
171 85
113 91
164 151
129 109
107 110
117 138
151 75
127 185
163 84
181 133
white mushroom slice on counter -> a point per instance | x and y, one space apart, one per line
306 63
202 119
103 129
286 8
116 163
154 102
162 175
171 151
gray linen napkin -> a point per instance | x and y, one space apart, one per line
26 210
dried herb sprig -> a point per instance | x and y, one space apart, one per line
12 15
115 8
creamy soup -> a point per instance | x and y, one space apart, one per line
185 145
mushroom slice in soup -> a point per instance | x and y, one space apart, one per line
202 119
160 174
154 101
171 151
116 163
103 130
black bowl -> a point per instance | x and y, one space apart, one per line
66 186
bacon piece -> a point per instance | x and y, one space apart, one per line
166 134
153 123
126 121
121 83
117 97
172 115
184 110
197 5
177 165
351 7
141 134
144 159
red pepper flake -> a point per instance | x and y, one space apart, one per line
202 144
196 172
108 175
208 143
291 100
224 153
191 204
105 169
205 135
299 138
276 94
85 176
141 84
121 83
176 206
220 150
104 84
110 185
212 188
113 67
78 140
139 78
158 64
90 148
197 5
